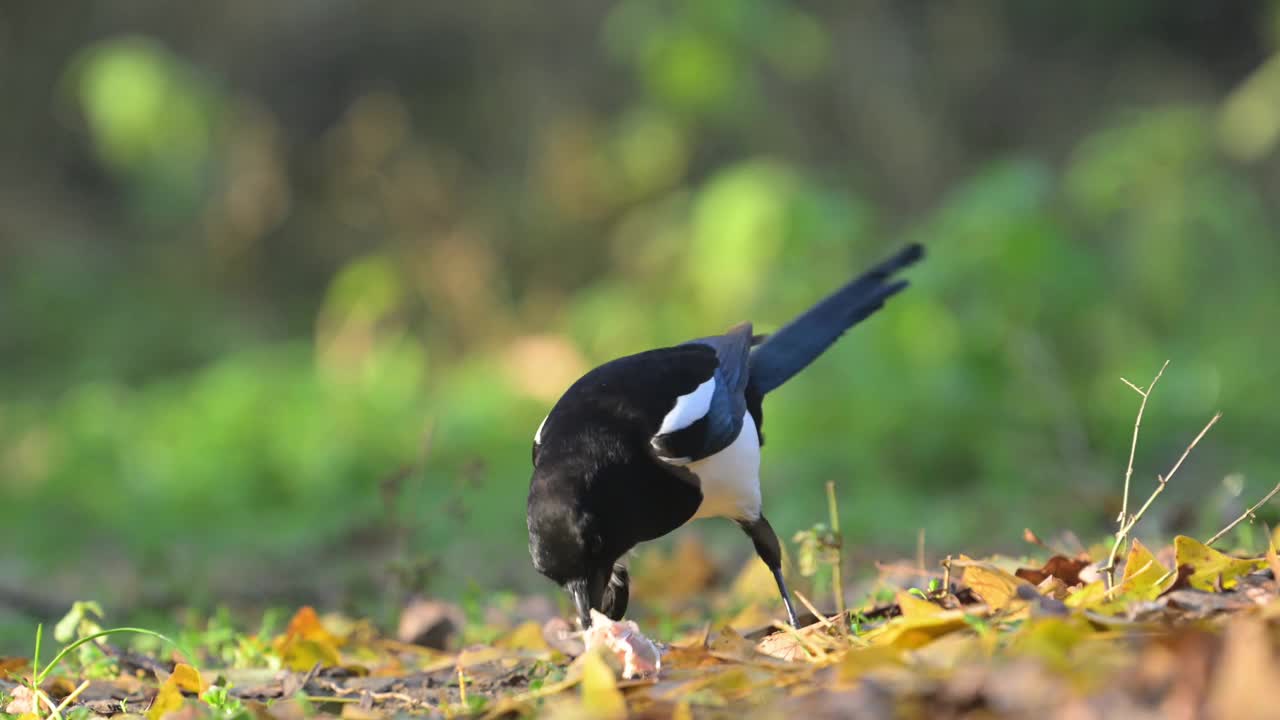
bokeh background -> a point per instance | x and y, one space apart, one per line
286 287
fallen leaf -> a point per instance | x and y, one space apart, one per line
13 666
729 645
170 698
907 633
22 701
1053 587
1065 569
997 588
1143 574
1211 567
1088 596
527 636
783 646
1052 638
600 694
306 642
913 606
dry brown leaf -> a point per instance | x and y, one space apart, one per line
1065 569
22 701
783 646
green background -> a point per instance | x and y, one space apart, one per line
285 288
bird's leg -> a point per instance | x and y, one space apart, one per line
767 547
616 593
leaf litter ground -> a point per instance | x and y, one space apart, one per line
1185 631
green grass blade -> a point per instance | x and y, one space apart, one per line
39 678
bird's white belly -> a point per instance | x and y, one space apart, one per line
730 479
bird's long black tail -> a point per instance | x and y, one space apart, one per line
791 349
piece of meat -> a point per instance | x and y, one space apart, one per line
623 640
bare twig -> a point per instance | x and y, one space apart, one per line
72 697
836 577
946 576
920 549
1162 481
1246 514
1133 446
813 609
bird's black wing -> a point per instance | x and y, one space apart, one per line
787 351
716 427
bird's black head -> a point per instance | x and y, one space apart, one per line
567 546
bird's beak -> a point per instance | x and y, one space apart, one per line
581 600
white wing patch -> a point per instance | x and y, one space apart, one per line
690 408
537 436
730 479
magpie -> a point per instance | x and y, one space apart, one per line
643 444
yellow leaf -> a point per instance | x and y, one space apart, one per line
528 636
1142 574
169 698
859 661
1208 565
913 606
908 633
187 678
1052 638
682 711
601 697
306 642
1087 596
997 588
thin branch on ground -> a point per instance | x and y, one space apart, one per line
1246 514
1162 481
1133 446
837 579
813 609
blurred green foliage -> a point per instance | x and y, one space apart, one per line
282 291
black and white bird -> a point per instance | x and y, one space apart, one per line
643 444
